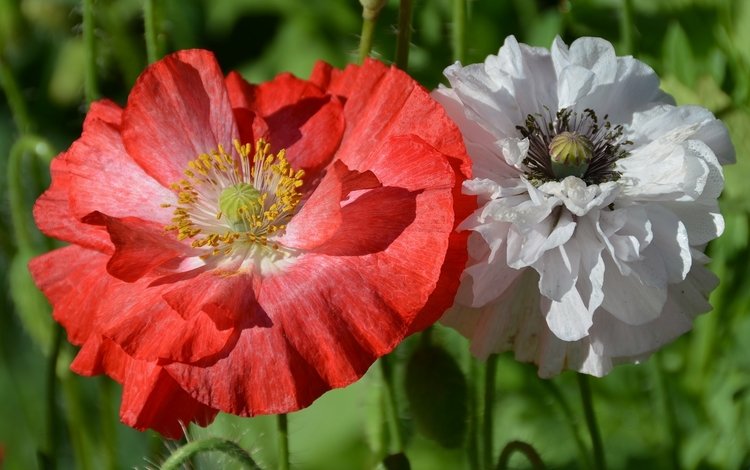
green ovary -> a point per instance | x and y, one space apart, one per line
238 203
570 154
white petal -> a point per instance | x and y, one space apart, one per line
573 84
663 172
493 328
568 319
681 123
578 197
595 54
487 161
629 300
611 337
670 242
526 245
486 99
526 71
558 272
702 221
514 151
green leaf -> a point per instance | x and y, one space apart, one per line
678 56
437 394
30 304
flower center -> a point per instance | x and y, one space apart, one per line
572 144
242 198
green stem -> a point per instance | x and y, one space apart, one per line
526 13
213 444
472 442
664 397
109 429
489 405
18 210
150 21
404 34
526 449
365 40
15 98
627 28
78 429
459 30
588 410
283 430
569 418
52 417
391 406
90 86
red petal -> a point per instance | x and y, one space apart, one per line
262 374
400 107
54 218
177 110
320 216
140 246
75 282
389 209
140 321
151 398
104 178
228 299
301 118
399 104
87 301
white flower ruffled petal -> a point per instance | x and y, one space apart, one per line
580 198
594 257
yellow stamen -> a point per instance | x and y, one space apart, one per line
244 196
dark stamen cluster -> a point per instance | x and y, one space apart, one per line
606 139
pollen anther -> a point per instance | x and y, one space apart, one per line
244 196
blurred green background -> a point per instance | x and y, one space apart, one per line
687 407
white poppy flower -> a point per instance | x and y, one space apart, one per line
597 196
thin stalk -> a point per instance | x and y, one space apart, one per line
489 405
283 433
569 418
588 411
150 21
472 441
18 210
52 417
627 28
213 444
521 447
404 34
109 430
77 427
365 40
15 99
391 406
459 30
90 85
664 398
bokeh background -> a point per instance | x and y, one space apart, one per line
687 407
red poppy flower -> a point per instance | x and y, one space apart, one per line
245 248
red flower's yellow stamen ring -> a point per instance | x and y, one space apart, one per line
228 198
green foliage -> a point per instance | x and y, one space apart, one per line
687 407
437 394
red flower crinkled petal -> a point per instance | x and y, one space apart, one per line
244 248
